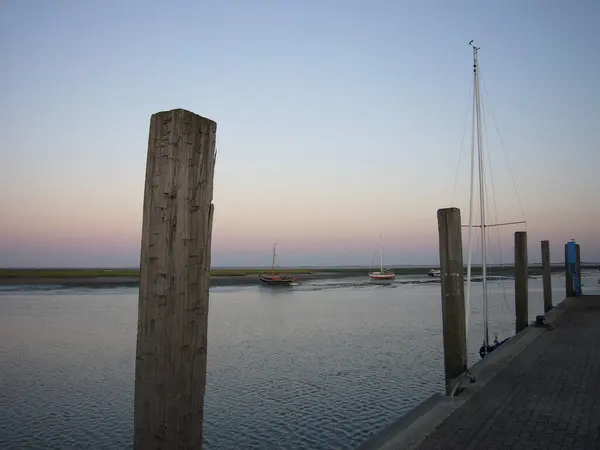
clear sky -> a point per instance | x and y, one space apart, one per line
337 121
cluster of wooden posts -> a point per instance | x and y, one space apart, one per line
452 286
170 369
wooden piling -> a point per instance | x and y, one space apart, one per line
170 369
569 291
521 282
453 294
547 276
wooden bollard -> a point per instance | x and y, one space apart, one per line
521 282
453 294
170 370
569 291
547 276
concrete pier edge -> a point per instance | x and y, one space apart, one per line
411 429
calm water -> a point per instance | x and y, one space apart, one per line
322 366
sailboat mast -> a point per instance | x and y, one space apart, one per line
481 197
381 254
471 197
273 265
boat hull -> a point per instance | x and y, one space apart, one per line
382 276
490 348
276 280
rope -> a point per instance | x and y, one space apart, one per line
500 261
506 158
490 210
462 139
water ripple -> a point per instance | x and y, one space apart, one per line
320 367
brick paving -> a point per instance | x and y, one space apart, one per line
547 398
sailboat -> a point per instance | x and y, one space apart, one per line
477 156
275 278
382 274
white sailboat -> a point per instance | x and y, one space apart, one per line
477 156
382 274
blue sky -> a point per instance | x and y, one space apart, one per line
337 121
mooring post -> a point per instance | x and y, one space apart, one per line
170 370
578 287
453 294
568 275
547 276
521 279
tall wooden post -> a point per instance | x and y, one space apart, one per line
170 370
453 294
547 276
521 282
568 275
578 269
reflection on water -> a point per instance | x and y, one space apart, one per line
321 366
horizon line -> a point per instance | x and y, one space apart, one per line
300 266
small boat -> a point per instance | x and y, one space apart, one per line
486 349
382 274
274 278
434 273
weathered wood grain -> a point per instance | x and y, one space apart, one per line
547 276
521 282
453 294
170 369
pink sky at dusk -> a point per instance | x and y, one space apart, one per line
107 232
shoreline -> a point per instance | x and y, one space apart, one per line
221 277
108 281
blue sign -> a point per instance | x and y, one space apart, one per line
571 252
572 266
